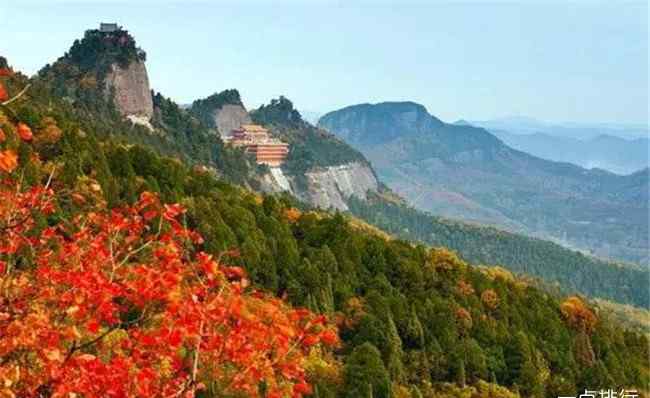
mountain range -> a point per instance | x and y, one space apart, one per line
619 149
411 320
462 171
577 130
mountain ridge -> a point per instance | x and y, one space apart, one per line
552 199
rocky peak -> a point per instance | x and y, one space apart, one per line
108 63
131 92
374 124
223 111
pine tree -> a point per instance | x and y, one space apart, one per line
394 352
414 331
461 377
365 375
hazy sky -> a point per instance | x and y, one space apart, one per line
584 61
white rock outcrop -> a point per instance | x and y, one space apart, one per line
330 187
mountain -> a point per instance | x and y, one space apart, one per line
618 155
619 148
321 170
412 320
579 131
466 172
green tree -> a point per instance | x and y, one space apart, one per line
365 375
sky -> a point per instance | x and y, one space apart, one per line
581 61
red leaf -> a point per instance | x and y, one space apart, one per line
25 132
310 340
3 93
8 160
92 326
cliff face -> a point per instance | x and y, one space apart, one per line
330 187
132 94
327 187
230 117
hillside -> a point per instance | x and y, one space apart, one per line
555 265
322 170
413 321
465 172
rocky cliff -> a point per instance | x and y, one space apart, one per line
331 186
131 92
222 111
325 187
230 117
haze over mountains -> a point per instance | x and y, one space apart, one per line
465 172
621 149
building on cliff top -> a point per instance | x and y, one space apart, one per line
255 140
108 27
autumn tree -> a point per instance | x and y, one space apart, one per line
122 302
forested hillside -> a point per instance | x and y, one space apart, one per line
414 322
572 271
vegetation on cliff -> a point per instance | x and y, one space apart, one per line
204 109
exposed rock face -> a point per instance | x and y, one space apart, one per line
331 186
328 187
132 91
229 117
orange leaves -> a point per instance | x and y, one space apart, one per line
8 160
292 215
3 93
464 288
115 305
329 337
578 315
463 318
490 299
24 132
3 137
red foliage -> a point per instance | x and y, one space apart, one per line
3 93
8 160
118 304
25 132
578 315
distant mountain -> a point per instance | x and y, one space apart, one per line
311 116
465 172
612 153
582 131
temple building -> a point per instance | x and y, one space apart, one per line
256 141
108 27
